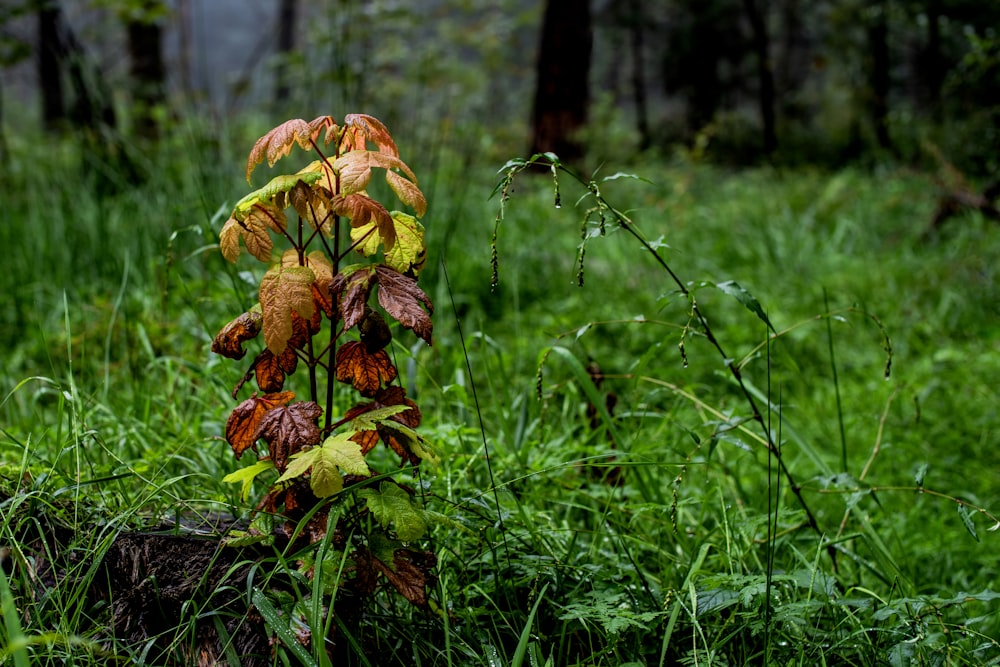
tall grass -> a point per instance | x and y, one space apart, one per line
651 532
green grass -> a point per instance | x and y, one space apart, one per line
112 409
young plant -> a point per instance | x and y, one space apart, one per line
327 321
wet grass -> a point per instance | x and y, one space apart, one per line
654 531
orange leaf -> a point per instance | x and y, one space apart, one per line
408 192
229 341
355 168
268 372
284 290
371 129
242 427
366 372
278 143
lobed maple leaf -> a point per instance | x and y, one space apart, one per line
288 429
365 212
400 296
229 341
323 464
404 247
369 420
365 372
391 504
243 425
279 142
285 290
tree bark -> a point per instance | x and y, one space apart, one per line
50 56
878 43
287 14
638 73
562 90
148 73
765 74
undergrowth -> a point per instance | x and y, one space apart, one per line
634 513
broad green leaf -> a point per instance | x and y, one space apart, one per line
299 464
346 454
247 475
390 504
367 421
283 290
277 185
324 478
733 289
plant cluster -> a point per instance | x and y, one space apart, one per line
327 319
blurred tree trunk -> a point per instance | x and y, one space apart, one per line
287 14
146 68
50 57
765 73
636 39
878 45
562 90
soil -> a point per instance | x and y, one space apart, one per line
154 582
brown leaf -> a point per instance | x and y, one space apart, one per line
268 372
410 573
361 209
400 296
288 429
313 204
352 290
242 427
374 331
253 230
366 372
229 341
355 168
367 440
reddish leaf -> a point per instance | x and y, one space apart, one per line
361 209
400 296
285 290
268 372
243 425
287 430
352 291
229 341
367 440
366 372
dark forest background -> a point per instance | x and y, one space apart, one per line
733 81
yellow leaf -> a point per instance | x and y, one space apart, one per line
284 290
254 232
408 254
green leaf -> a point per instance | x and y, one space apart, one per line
346 453
733 289
966 514
390 504
247 475
276 185
367 421
299 464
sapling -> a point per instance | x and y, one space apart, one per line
327 320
